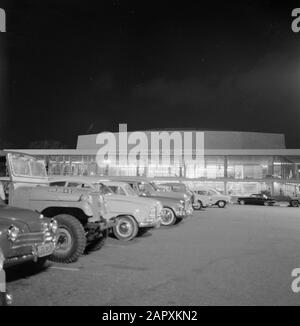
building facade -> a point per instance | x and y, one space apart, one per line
236 163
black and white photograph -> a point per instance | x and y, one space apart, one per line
149 156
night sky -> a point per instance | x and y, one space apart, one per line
75 68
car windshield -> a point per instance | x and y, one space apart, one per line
153 186
28 167
129 191
146 187
103 189
215 192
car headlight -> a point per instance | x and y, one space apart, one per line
12 233
53 225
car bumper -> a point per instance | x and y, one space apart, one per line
28 253
150 224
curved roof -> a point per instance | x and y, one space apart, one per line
212 139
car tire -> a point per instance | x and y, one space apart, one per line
266 203
126 228
221 204
242 202
71 240
168 217
294 203
198 205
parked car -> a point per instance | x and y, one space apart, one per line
256 199
79 212
176 187
205 196
131 213
173 209
294 201
5 297
146 188
26 236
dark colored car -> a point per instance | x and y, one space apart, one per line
294 201
5 298
256 199
25 236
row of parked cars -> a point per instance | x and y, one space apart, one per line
60 218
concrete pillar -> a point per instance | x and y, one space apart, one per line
225 166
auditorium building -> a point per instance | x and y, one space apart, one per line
236 163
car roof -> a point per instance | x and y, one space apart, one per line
115 183
82 179
172 184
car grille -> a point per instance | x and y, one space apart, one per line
27 239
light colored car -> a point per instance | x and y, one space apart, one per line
147 188
78 212
131 213
176 187
173 203
205 196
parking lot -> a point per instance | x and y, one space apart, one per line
240 255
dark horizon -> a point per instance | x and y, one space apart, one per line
76 67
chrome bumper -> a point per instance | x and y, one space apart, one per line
150 224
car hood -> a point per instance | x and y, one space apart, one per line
170 194
166 201
133 200
24 219
57 193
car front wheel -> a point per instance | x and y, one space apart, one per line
168 217
71 240
126 228
221 204
198 205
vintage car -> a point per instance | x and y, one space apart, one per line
5 297
146 188
175 187
26 236
131 214
79 212
205 196
173 209
256 199
294 201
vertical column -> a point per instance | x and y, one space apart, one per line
296 172
271 185
225 166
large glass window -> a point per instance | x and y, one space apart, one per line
285 167
249 167
211 168
247 188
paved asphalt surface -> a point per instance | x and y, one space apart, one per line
240 255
